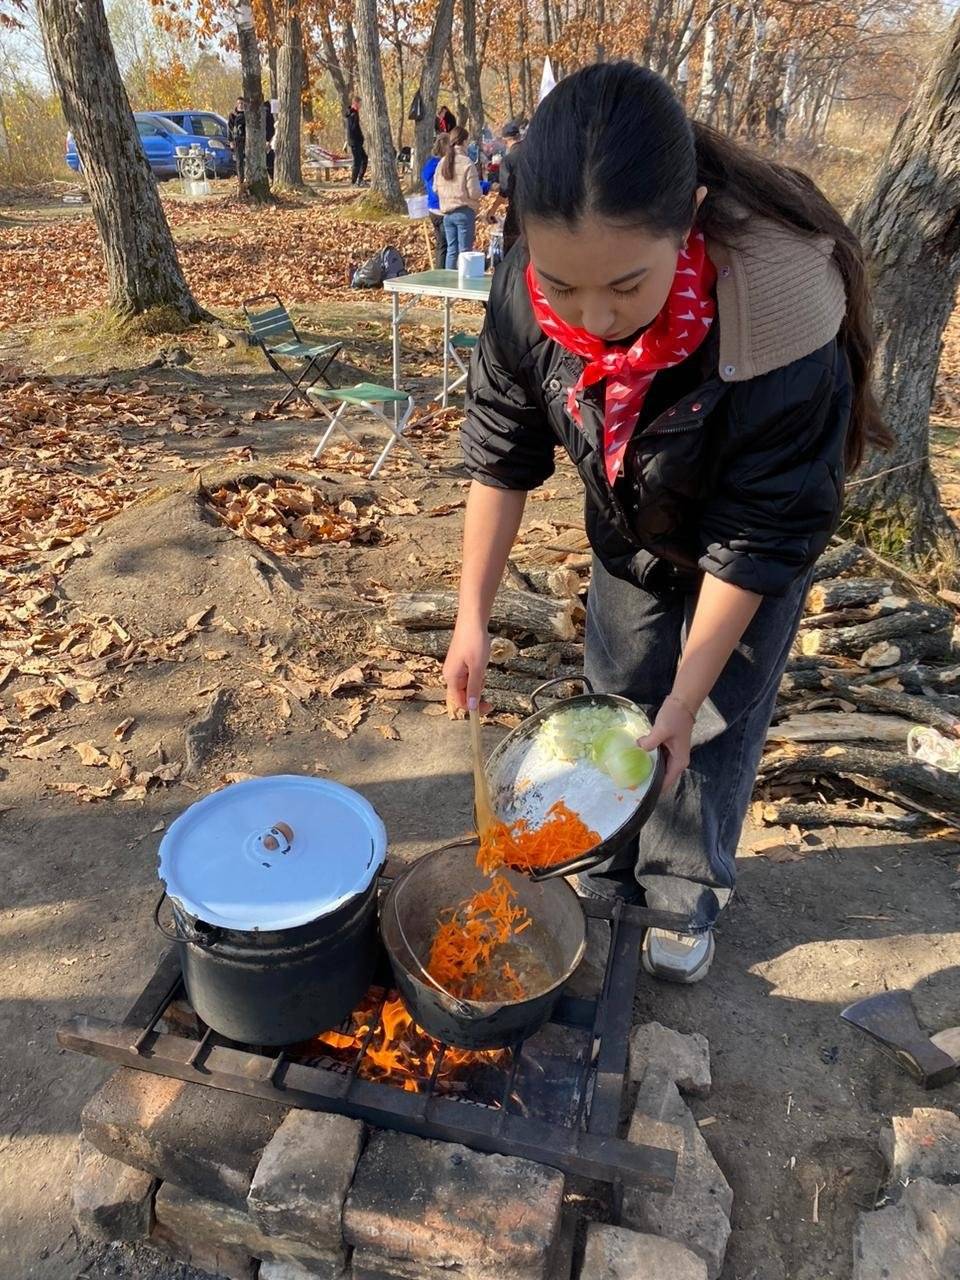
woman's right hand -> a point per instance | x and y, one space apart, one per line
466 666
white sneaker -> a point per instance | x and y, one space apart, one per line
677 957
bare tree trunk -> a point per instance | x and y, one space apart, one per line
910 230
143 273
272 43
333 64
708 73
430 84
288 173
471 66
379 139
256 184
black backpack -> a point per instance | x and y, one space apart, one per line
386 264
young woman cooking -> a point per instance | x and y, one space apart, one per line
690 322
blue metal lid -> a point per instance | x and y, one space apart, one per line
272 853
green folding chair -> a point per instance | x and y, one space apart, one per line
372 398
460 342
276 335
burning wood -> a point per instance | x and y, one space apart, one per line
397 1051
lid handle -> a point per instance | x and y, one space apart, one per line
277 839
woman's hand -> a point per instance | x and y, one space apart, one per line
466 666
671 730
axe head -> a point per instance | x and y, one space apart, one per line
889 1019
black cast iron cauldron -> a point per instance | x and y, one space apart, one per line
408 922
276 922
615 813
279 987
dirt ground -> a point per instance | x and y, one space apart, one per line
798 1099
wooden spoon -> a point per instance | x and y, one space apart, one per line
482 807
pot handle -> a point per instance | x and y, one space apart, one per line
548 684
174 936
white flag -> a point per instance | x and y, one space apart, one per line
548 80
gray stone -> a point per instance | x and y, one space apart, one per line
111 1201
588 979
219 1260
916 1239
684 1058
207 1140
925 1144
289 1271
421 1209
614 1253
697 1212
304 1175
206 1221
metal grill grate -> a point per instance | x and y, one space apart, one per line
581 1137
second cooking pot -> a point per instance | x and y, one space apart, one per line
273 885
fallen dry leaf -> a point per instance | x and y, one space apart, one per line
90 754
349 678
397 679
388 731
123 727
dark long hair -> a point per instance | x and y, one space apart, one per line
613 140
455 138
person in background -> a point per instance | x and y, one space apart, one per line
446 121
690 321
355 141
433 201
269 129
507 182
458 189
237 133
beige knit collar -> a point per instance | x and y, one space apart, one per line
780 296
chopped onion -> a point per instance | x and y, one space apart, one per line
617 754
599 735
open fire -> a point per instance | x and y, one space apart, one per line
394 1050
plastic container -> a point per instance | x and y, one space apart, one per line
470 266
417 207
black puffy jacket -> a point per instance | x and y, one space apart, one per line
740 477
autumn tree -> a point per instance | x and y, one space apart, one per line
290 66
433 54
143 273
255 184
910 228
385 184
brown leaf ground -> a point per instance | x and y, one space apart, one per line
125 610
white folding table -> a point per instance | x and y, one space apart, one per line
432 284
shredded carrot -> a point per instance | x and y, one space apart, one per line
563 836
461 955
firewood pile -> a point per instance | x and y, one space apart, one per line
875 656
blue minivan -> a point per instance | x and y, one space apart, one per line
160 136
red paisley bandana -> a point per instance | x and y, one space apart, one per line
677 331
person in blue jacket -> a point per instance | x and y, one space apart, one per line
433 202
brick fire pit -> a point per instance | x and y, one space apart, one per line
237 1182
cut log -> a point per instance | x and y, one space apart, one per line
840 726
785 813
434 644
891 773
837 618
846 593
890 653
839 559
516 612
918 710
910 621
570 654
929 680
560 583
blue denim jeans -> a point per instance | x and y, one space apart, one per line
460 226
685 857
